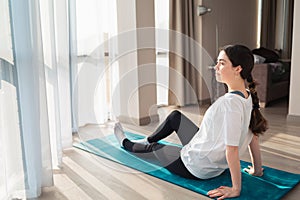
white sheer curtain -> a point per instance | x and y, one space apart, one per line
35 119
55 42
11 166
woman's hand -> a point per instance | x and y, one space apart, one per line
224 192
251 170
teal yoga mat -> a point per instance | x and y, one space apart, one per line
274 184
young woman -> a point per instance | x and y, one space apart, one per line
224 131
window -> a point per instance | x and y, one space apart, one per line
162 45
96 73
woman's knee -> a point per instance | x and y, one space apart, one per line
175 114
175 119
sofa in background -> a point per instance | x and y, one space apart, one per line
273 81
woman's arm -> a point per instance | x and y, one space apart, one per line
233 160
254 150
232 156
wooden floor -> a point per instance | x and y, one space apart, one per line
84 176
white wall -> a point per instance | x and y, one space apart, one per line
136 61
294 106
128 62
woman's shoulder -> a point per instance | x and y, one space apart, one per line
235 98
232 102
232 98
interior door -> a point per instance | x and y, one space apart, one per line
229 22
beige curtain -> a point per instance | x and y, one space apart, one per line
270 33
288 29
183 77
268 24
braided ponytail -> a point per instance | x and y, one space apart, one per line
258 124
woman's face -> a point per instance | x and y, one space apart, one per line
225 72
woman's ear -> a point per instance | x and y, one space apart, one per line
238 68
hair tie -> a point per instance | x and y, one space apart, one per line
252 90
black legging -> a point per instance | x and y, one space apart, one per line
168 156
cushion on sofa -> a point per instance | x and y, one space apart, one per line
258 59
280 72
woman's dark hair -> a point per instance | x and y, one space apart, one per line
240 55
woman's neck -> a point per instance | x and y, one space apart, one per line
242 89
238 87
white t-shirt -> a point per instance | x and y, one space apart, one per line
226 122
